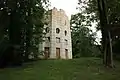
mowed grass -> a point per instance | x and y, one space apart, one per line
76 69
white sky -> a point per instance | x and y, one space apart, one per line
69 6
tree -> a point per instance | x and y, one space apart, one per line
20 22
83 38
111 15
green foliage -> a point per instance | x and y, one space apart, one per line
116 50
9 54
113 17
21 21
83 38
91 8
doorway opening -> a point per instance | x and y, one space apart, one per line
66 53
47 52
58 53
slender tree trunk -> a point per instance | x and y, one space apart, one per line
15 37
14 29
106 38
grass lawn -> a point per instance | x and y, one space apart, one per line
76 69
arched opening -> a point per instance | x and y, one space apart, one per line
57 30
65 32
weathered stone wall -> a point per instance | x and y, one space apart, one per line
58 19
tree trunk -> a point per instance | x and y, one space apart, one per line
15 37
106 38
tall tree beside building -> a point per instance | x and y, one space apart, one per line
83 39
112 11
16 23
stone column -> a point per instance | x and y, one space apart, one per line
52 35
62 36
70 47
70 43
62 49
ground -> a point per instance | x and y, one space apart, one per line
76 69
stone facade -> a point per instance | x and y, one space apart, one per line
57 43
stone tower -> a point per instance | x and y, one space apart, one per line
57 43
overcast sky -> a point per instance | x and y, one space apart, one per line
69 6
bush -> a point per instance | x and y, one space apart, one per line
9 54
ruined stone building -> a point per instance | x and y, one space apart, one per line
57 44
